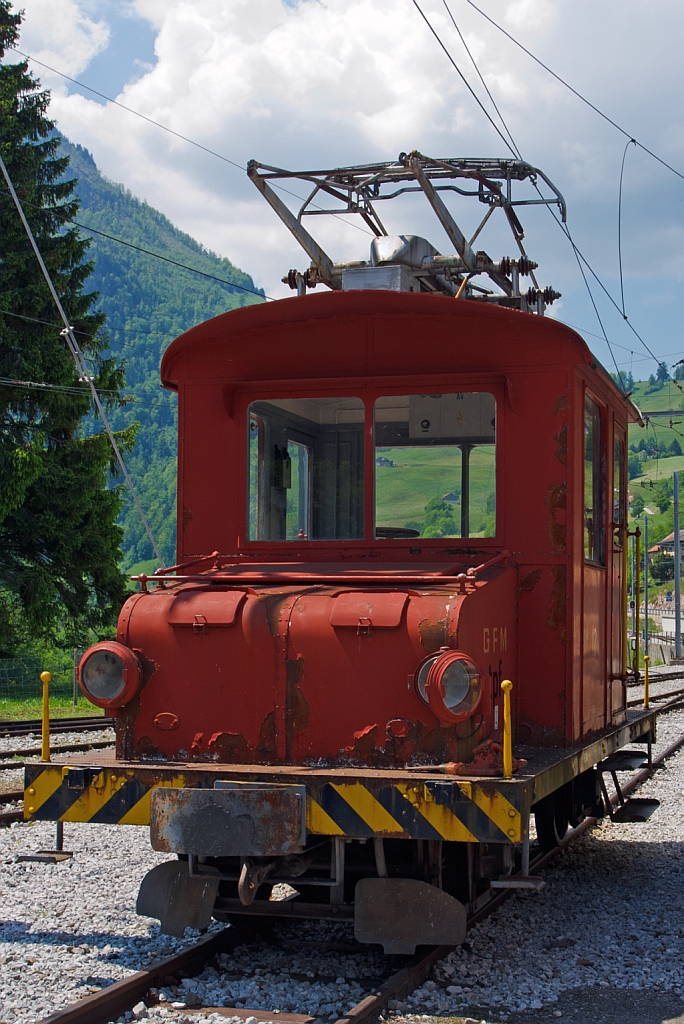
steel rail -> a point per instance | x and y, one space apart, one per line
638 701
115 1000
71 748
10 727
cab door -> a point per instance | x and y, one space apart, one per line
617 688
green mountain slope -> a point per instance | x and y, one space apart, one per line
148 303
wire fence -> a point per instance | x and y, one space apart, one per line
20 677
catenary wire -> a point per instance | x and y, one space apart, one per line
240 167
622 171
484 84
575 92
87 334
149 252
517 152
158 124
465 81
564 227
9 382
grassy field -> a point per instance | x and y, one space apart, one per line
420 474
650 400
32 707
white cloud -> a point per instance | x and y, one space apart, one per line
329 82
62 33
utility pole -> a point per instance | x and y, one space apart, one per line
677 571
645 583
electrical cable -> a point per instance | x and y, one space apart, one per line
9 382
149 252
479 75
519 154
575 92
622 171
81 366
87 334
165 128
465 81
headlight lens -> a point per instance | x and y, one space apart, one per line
450 683
109 675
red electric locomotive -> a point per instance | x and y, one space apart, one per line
395 499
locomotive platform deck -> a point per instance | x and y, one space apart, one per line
353 801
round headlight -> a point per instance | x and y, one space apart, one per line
452 685
109 675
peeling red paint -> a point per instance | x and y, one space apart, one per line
556 619
226 744
561 440
197 744
529 582
297 712
556 502
364 741
433 635
266 742
398 728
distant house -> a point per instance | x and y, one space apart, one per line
453 498
382 461
666 546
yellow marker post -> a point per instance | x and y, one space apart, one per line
507 686
45 678
623 569
637 595
647 659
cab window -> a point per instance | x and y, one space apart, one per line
435 461
594 485
305 469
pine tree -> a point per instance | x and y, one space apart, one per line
59 542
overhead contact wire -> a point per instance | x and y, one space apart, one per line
518 153
165 128
149 252
465 81
484 84
576 93
629 143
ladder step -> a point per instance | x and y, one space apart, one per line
637 808
624 761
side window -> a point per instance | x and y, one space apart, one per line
594 485
435 465
305 469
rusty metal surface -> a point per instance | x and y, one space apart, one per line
116 999
179 901
402 913
256 821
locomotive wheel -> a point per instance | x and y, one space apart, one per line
552 818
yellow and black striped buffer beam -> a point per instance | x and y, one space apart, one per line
457 811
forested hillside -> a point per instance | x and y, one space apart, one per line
148 303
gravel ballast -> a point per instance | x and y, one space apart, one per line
611 915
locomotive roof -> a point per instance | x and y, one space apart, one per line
526 335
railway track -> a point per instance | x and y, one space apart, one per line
9 727
122 996
72 748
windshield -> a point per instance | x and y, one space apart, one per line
306 469
435 465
